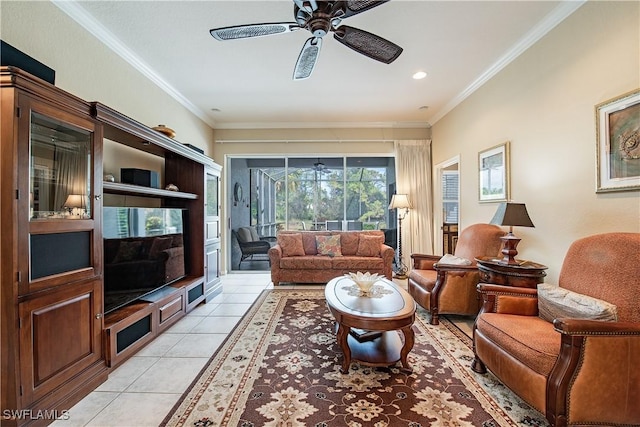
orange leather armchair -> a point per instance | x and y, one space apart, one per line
451 289
574 371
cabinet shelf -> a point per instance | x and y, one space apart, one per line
137 190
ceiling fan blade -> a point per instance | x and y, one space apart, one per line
353 7
307 58
375 47
253 30
307 5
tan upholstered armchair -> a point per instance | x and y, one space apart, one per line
451 289
577 372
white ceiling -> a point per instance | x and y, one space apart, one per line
460 44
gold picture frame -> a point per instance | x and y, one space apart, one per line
493 174
618 143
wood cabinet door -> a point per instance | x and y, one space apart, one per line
60 339
212 270
59 167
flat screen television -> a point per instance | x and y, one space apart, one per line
143 251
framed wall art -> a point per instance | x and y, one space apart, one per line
618 143
493 170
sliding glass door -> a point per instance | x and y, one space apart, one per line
314 193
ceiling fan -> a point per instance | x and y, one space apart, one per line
320 167
320 18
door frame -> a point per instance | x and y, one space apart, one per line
438 204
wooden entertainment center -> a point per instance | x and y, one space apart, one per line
57 345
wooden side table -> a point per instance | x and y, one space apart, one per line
527 274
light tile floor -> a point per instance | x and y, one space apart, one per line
142 390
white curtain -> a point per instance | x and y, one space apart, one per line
71 173
413 176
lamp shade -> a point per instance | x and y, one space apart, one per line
400 201
512 214
74 201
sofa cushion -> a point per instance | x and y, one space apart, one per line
128 251
328 245
529 339
349 242
159 245
357 263
369 246
306 262
309 241
254 234
244 235
291 244
555 302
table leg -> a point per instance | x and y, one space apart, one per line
409 339
343 334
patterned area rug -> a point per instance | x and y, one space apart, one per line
280 367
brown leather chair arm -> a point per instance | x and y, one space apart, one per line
508 299
424 261
584 327
454 267
595 356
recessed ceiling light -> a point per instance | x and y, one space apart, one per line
215 110
419 75
424 107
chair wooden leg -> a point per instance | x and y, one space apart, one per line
434 317
478 366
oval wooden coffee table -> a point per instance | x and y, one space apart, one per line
387 309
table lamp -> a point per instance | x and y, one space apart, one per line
511 214
75 201
400 201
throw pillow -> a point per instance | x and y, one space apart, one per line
328 245
291 244
127 251
254 234
453 260
555 302
369 245
244 235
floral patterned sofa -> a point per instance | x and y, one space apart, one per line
319 256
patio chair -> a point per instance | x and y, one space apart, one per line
334 225
252 246
354 225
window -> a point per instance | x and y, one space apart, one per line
450 188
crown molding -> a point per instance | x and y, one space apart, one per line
323 125
555 17
94 27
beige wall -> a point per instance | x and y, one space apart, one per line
88 69
543 103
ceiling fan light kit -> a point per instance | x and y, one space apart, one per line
320 18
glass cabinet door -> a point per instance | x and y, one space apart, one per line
212 207
60 209
60 160
212 195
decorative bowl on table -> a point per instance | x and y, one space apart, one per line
364 281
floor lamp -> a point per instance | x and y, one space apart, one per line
400 201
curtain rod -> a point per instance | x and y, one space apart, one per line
287 141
